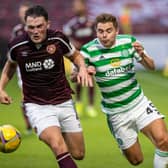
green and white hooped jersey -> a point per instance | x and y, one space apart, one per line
115 73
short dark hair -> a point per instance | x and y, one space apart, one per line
36 11
106 17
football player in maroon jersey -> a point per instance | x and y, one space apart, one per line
47 94
80 29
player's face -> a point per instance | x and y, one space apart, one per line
106 33
36 28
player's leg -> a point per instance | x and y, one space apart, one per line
79 103
72 131
52 136
134 154
152 125
123 127
45 121
158 134
75 143
90 110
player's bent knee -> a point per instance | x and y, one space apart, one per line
135 159
58 148
136 162
162 143
78 155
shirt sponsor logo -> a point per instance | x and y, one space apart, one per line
48 64
115 62
119 70
51 49
39 65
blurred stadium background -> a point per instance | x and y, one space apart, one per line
146 20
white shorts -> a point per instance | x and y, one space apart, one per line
125 126
62 115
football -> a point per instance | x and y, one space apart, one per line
10 138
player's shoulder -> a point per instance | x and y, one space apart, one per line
91 45
57 35
125 37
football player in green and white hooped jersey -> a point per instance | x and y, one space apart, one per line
111 58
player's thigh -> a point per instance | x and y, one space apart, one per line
72 130
74 140
123 128
133 153
75 143
52 136
151 123
42 116
157 132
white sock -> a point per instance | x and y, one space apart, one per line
160 159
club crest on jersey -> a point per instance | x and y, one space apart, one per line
125 53
51 49
115 62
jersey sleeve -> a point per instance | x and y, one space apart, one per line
67 45
71 50
137 57
86 56
11 54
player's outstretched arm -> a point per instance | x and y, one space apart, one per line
146 61
82 76
90 69
7 73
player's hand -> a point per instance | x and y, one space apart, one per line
84 78
91 70
73 76
139 48
4 98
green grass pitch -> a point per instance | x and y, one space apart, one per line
101 149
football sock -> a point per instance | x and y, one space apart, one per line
65 161
160 159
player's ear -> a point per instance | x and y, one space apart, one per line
117 31
48 24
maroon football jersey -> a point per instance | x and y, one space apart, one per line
42 68
80 29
